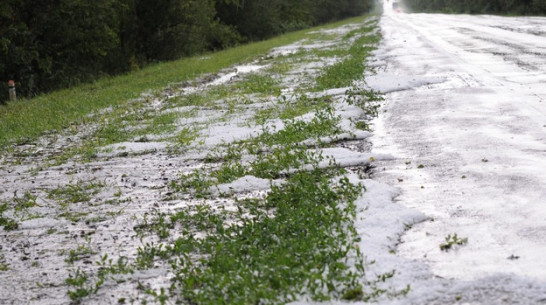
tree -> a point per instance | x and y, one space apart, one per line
52 44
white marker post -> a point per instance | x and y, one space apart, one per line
12 94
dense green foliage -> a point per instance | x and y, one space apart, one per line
46 45
511 7
21 122
256 19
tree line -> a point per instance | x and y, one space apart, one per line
51 44
508 7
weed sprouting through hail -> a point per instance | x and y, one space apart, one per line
452 241
80 191
345 72
295 240
19 208
279 252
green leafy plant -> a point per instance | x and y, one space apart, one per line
8 223
80 191
81 252
343 73
452 240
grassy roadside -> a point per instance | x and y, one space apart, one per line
264 217
296 241
26 120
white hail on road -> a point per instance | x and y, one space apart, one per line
466 98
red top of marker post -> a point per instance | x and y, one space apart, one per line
11 83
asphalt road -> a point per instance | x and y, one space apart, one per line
465 115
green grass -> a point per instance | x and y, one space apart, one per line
343 73
25 120
297 239
277 151
259 84
7 223
451 241
193 99
323 124
20 208
80 191
160 124
79 253
285 109
303 245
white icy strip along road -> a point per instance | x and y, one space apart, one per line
466 96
